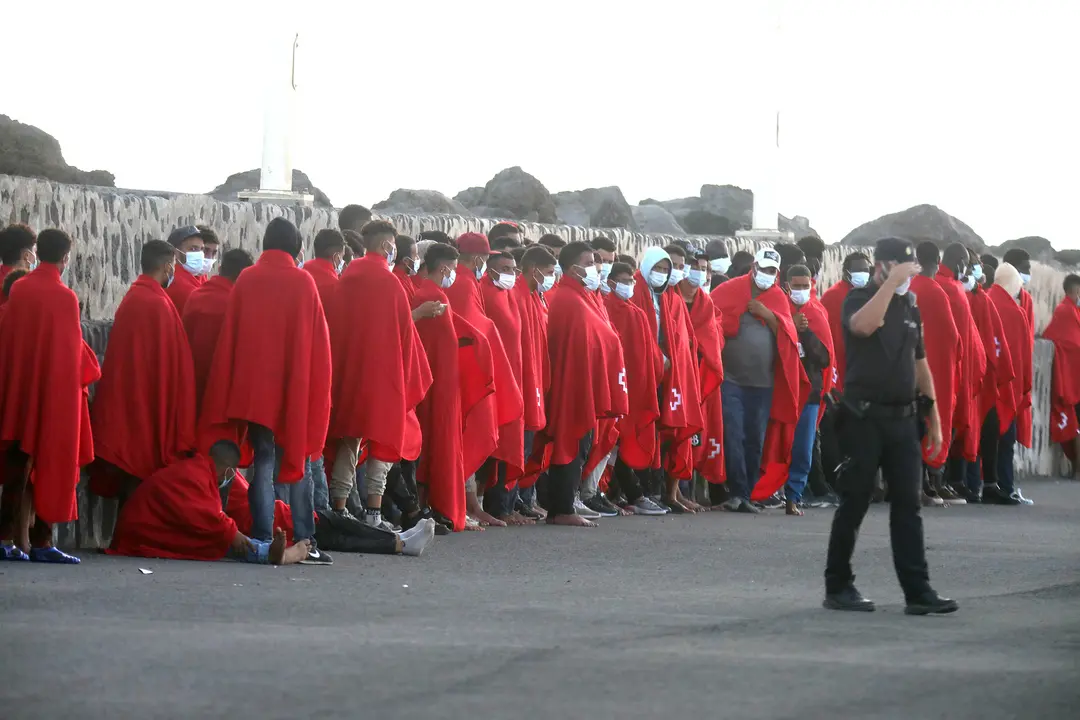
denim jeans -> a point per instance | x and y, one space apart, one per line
257 552
746 417
300 497
802 452
322 488
264 472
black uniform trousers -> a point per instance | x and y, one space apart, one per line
866 444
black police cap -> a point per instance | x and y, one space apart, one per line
893 249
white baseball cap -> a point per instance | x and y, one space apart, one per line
767 258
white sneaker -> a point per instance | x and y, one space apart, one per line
585 512
645 506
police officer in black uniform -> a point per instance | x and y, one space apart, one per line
888 399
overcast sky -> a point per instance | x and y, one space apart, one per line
971 105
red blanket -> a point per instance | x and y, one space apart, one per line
502 309
182 286
1064 332
535 370
791 385
944 353
4 270
833 302
379 362
239 510
203 316
972 366
1018 337
505 405
996 390
45 372
407 281
144 408
1023 413
325 276
587 374
709 453
175 513
644 370
272 363
462 377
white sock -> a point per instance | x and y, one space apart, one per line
411 531
418 541
373 517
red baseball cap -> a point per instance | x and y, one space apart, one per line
472 243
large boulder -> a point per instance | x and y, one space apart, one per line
513 194
798 225
595 207
656 219
1070 258
471 197
1037 247
919 223
419 202
718 210
239 182
29 151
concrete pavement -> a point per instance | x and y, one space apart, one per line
710 616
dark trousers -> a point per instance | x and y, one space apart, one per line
11 497
892 444
336 532
626 478
498 501
989 439
563 480
401 492
826 455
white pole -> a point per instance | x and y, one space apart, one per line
280 112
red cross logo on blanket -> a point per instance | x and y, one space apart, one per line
676 399
714 448
622 380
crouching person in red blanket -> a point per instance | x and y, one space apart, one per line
144 409
588 382
45 372
765 384
1064 332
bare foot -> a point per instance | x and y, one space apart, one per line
572 520
794 509
515 518
471 524
540 511
488 520
282 555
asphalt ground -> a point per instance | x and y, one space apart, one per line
715 615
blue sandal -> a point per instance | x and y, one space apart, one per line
11 552
52 555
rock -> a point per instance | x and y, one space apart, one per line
420 202
514 194
472 197
595 207
919 223
249 180
719 210
798 225
657 220
702 222
1039 248
729 201
1068 257
31 152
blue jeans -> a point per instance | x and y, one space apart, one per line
300 497
1006 451
746 416
258 552
802 452
261 483
322 489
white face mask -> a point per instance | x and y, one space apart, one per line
193 262
591 281
859 279
547 282
448 280
977 272
410 266
605 270
604 287
677 276
969 283
657 279
800 297
764 281
481 270
340 267
720 265
208 265
558 270
902 290
506 281
624 290
1025 278
696 278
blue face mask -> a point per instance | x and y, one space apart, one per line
859 279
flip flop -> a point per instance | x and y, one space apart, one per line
53 556
15 554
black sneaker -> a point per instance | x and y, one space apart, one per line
772 503
930 603
972 497
992 495
316 556
745 506
848 599
598 503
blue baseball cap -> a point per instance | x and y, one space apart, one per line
181 234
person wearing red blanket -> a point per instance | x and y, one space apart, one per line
328 264
204 313
856 274
16 251
177 514
499 412
644 370
143 413
380 372
272 379
708 450
944 354
45 372
192 268
1064 332
461 377
587 382
1019 259
406 263
997 383
999 482
765 385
